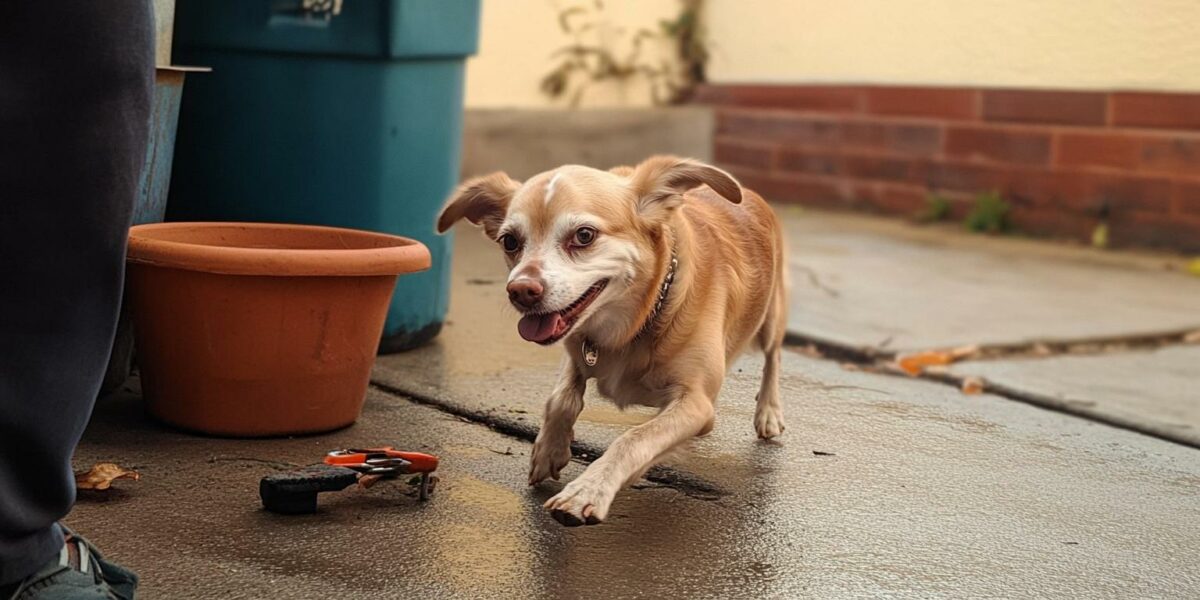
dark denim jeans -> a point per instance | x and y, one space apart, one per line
76 83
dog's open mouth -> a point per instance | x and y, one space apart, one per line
547 328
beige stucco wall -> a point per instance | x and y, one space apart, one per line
1084 44
518 37
1137 44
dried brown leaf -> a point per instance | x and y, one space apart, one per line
1192 337
972 386
916 362
101 476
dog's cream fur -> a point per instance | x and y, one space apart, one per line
728 293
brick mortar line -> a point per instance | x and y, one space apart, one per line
745 141
834 149
792 114
879 185
1023 126
841 148
791 176
838 150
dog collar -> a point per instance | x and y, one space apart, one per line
591 354
663 291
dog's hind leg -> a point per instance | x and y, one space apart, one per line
768 413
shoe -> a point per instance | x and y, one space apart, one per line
79 572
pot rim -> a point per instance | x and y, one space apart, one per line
401 255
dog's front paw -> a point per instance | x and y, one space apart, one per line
768 422
550 454
581 502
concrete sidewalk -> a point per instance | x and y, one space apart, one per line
880 287
885 285
882 485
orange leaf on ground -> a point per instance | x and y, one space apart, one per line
101 476
972 386
916 362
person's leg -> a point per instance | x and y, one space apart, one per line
76 84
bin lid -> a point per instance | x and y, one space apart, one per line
365 28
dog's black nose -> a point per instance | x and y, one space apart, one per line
525 292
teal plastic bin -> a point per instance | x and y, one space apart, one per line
334 113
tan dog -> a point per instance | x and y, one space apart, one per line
657 277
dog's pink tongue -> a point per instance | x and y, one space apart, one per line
539 328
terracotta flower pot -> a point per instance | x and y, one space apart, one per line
247 329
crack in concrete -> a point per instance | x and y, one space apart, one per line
1088 346
821 348
1077 408
682 481
881 362
825 348
815 281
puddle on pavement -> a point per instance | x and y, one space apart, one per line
495 501
497 547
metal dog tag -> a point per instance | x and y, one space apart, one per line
590 354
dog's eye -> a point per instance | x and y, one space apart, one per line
510 243
584 236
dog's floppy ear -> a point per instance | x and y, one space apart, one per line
660 181
482 200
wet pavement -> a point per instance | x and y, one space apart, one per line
1157 389
879 287
882 486
918 493
885 285
193 528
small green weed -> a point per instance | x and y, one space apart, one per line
937 208
989 213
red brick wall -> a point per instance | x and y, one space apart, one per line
1063 159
